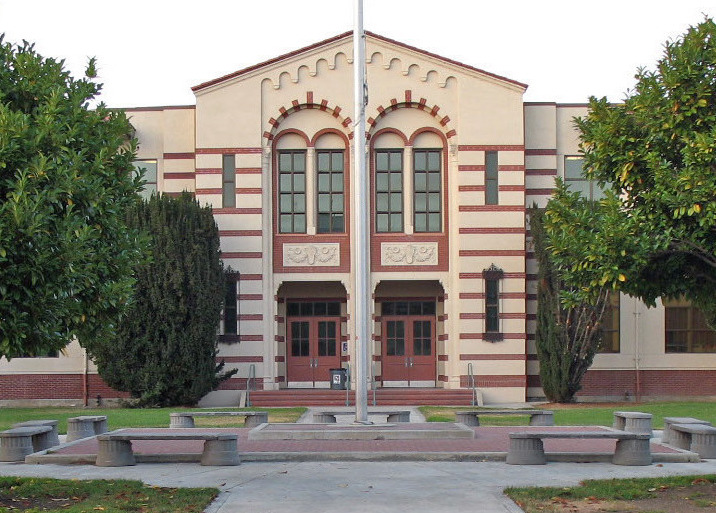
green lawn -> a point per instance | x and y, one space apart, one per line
137 417
620 495
586 414
74 496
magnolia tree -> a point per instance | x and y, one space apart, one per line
66 254
655 232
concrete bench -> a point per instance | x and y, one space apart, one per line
16 443
527 448
633 422
698 438
668 421
115 449
537 417
53 437
329 417
186 419
85 426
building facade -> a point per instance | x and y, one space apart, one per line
455 156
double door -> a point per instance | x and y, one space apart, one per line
408 351
313 349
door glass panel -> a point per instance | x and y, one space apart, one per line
395 341
327 338
422 338
299 338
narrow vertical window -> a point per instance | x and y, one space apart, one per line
389 191
491 182
610 326
331 218
292 191
228 181
493 276
427 203
231 307
147 169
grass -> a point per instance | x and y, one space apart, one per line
535 499
35 494
587 414
137 417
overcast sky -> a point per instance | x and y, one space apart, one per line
151 52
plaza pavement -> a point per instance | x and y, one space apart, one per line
360 486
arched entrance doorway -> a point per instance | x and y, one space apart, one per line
407 331
314 332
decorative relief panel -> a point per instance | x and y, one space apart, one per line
311 255
399 253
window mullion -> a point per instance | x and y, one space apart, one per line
311 198
408 191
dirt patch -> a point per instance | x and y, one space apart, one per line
700 497
36 503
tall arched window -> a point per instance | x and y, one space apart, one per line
291 194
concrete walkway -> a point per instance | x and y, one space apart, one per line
357 487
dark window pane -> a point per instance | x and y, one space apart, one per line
492 320
333 308
319 308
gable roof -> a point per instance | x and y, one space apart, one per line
345 35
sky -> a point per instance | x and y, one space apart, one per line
151 52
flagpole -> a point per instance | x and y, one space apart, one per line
362 204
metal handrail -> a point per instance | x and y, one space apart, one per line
372 381
250 383
348 384
476 394
471 378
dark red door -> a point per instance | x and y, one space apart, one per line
408 353
312 350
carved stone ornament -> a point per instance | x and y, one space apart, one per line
311 255
393 253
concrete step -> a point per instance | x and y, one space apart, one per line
384 396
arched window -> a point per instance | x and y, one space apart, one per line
389 186
330 184
427 183
291 163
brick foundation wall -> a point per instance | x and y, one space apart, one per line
54 386
654 383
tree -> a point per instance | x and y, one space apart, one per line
164 352
655 233
567 336
66 255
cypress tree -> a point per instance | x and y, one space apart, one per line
567 336
164 353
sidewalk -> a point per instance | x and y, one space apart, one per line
357 487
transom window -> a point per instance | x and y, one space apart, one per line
331 216
313 309
292 191
389 190
574 178
408 308
427 204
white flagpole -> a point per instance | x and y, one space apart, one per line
362 204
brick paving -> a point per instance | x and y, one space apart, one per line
487 439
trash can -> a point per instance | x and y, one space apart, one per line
338 379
